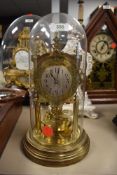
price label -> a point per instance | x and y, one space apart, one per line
29 20
106 7
60 27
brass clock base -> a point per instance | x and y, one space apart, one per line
59 155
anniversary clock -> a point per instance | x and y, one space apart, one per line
15 50
56 136
102 44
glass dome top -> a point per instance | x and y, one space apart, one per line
58 52
59 36
15 50
65 27
10 39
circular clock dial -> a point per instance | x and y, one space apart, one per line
56 80
100 47
22 60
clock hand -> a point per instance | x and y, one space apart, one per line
55 80
103 44
57 73
52 76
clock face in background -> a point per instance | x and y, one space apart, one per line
56 81
101 47
22 60
104 56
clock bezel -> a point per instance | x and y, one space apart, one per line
101 57
56 59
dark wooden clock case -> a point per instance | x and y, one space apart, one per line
100 17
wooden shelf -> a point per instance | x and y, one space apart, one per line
10 111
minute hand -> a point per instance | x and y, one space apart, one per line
55 80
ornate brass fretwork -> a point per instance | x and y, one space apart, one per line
13 75
103 75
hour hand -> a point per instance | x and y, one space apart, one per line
55 80
52 76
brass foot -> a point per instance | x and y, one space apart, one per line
56 155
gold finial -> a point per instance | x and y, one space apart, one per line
56 45
81 11
24 37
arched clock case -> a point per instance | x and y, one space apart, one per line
102 44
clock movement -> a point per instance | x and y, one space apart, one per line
102 44
15 51
56 136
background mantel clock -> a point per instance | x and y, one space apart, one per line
102 44
17 73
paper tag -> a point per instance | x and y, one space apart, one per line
29 20
60 27
106 7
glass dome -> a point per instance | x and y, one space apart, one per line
57 84
15 51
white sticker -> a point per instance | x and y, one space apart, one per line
29 20
60 27
106 7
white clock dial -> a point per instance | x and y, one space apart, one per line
22 60
56 80
101 47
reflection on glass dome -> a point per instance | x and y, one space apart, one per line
67 29
15 51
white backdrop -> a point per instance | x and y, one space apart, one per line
89 7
